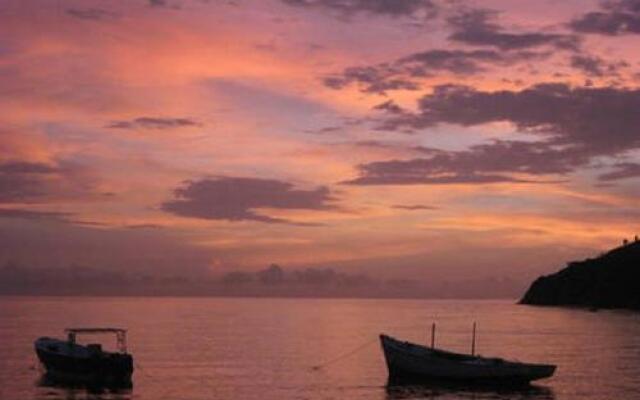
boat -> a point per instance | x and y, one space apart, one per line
414 363
68 361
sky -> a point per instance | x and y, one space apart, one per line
441 140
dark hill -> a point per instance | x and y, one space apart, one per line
609 281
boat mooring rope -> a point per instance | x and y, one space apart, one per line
344 355
143 370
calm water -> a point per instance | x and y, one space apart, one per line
205 348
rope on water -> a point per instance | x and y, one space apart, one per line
344 355
143 370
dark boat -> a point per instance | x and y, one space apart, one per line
68 361
408 362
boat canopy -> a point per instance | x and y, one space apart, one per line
95 330
121 335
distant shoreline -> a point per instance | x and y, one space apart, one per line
60 295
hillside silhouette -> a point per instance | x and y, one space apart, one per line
611 280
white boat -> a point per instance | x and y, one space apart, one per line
409 362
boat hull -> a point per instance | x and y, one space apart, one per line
67 362
412 363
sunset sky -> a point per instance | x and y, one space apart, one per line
431 139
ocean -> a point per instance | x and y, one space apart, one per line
268 349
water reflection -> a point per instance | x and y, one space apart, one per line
445 392
55 388
262 349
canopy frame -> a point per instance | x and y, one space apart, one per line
121 335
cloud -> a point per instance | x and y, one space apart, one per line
499 161
158 3
393 8
389 106
399 147
27 182
24 181
153 123
26 167
144 226
616 17
325 130
417 207
40 216
574 126
371 79
402 73
456 61
622 171
477 27
28 238
592 66
599 120
236 199
595 66
376 175
93 14
33 215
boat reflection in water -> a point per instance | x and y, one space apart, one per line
54 387
397 391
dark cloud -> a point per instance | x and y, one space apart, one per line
24 181
372 79
25 167
595 66
477 27
51 216
236 199
600 120
144 226
622 171
370 82
393 8
376 175
29 182
402 73
389 106
18 189
499 161
33 215
592 66
417 207
396 147
153 123
325 130
94 14
158 3
456 61
574 125
616 17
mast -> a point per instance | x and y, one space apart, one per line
433 335
473 340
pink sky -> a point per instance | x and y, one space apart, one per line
412 138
